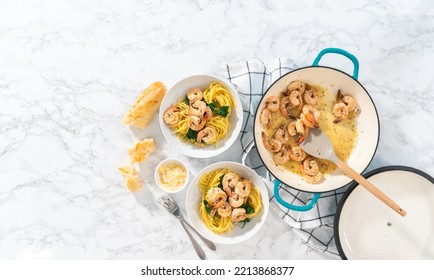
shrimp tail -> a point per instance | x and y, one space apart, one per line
339 96
303 137
311 119
300 106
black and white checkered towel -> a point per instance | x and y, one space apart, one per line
315 227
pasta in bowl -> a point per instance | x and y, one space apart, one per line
227 202
201 116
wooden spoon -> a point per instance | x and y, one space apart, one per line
318 144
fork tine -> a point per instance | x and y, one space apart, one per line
161 201
164 202
167 202
168 198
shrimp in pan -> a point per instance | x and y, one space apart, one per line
273 103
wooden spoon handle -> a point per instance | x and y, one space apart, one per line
370 187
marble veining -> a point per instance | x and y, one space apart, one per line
69 70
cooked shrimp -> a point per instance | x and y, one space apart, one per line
347 100
310 116
350 102
307 122
299 126
296 99
296 85
292 128
194 93
243 188
310 97
206 135
285 106
340 110
216 197
282 156
302 129
296 153
311 113
236 200
282 135
230 180
265 117
196 123
225 210
273 145
314 179
273 103
197 107
171 116
310 166
238 215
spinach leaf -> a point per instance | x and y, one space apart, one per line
222 111
191 134
187 101
213 105
220 185
245 222
207 208
249 209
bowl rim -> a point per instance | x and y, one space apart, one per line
329 68
157 175
227 142
264 195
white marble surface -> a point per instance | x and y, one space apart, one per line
69 70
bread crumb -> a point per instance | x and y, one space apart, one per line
131 177
141 150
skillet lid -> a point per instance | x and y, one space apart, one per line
365 228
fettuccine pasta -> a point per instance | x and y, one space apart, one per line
222 203
201 117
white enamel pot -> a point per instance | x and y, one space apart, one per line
367 123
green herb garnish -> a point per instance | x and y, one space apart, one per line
191 134
213 104
207 208
245 222
220 185
249 209
222 111
187 101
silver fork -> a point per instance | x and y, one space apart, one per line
169 204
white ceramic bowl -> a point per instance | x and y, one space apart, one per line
237 234
180 90
157 175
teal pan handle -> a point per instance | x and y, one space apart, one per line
341 52
292 206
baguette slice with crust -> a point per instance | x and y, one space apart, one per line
146 105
